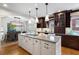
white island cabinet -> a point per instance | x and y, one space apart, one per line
21 40
37 46
36 50
26 43
47 48
30 42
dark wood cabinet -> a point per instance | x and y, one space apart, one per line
42 23
70 41
59 20
38 25
62 20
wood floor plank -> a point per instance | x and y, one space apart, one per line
69 51
14 49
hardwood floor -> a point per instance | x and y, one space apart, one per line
14 49
69 51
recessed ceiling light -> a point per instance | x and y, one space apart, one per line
5 5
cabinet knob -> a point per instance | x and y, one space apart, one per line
36 41
46 44
46 47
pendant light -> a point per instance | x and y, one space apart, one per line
29 18
37 15
5 5
47 16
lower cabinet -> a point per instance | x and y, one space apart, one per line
70 41
36 46
26 43
46 48
30 47
21 40
29 44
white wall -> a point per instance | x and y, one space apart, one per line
3 21
5 18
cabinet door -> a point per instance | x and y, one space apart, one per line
53 48
23 41
30 45
70 41
20 40
45 48
36 50
26 43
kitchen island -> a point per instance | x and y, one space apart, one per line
40 45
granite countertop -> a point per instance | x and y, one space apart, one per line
40 37
65 34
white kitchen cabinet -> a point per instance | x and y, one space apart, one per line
46 48
36 50
21 40
30 45
40 46
26 43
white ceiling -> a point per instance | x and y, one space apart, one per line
23 8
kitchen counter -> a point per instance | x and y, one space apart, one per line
48 39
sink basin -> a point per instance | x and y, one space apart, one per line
23 33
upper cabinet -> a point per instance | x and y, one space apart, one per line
62 19
41 23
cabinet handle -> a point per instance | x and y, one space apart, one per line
36 41
46 47
46 44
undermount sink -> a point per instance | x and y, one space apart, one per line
23 33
